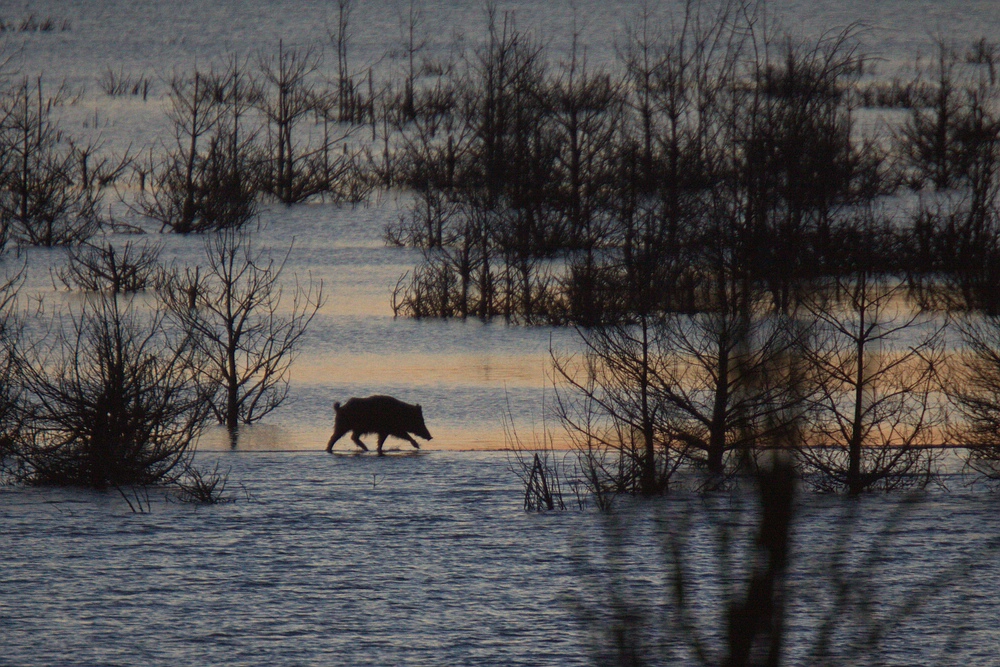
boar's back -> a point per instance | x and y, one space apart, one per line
380 414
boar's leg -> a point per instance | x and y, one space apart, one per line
381 441
355 436
413 442
333 440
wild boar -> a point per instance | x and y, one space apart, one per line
384 415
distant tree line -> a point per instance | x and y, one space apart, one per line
253 129
574 193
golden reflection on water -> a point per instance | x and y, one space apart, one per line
264 438
377 373
424 369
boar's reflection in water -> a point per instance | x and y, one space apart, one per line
384 415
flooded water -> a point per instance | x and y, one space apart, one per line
429 559
424 558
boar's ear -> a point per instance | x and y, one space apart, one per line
336 407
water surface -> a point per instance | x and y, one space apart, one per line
429 559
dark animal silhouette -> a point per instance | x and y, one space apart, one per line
384 415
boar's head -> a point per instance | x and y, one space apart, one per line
420 427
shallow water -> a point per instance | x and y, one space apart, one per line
348 560
429 559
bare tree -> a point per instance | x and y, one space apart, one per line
175 196
233 171
413 44
298 168
674 388
609 405
731 381
94 268
243 323
876 411
803 158
210 177
927 139
345 81
586 110
973 385
435 147
40 191
954 254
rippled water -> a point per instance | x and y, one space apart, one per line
429 559
346 560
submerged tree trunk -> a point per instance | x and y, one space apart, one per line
649 483
855 484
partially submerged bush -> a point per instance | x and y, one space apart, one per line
121 83
43 198
206 488
131 268
114 403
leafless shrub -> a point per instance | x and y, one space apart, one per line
541 486
137 499
112 400
205 488
93 268
536 466
42 194
97 169
427 291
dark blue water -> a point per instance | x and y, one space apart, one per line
429 559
